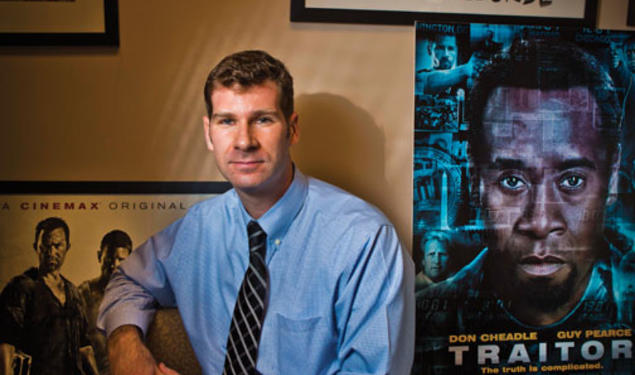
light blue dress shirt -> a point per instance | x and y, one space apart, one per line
341 288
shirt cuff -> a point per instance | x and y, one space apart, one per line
123 315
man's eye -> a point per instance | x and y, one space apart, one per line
264 120
572 182
512 183
225 121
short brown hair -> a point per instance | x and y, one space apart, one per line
249 68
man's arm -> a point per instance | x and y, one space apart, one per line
376 310
6 358
130 301
125 347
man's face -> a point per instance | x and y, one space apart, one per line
250 138
445 52
51 250
112 259
543 185
435 260
629 52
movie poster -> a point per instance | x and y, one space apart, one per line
524 202
102 230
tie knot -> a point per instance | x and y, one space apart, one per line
257 238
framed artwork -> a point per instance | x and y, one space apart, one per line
59 23
405 12
90 209
105 221
515 127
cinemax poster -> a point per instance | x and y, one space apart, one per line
524 217
83 231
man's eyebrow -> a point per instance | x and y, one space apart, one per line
270 112
222 114
507 163
576 163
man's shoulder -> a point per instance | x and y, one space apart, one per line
449 288
336 202
25 280
211 204
200 213
21 284
88 287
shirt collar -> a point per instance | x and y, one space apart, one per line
277 219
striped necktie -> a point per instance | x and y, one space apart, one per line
249 311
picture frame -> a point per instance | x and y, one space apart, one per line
468 219
406 12
59 23
91 208
100 220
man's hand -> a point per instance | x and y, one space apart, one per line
88 359
129 356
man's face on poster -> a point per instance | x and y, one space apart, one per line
112 258
51 249
445 51
435 259
543 184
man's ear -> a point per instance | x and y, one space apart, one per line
208 137
614 177
294 129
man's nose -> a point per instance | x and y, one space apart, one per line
542 214
245 138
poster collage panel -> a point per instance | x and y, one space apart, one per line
524 199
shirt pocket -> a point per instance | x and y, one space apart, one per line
304 343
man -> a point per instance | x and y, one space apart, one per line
447 76
41 312
115 246
436 259
545 154
625 59
330 293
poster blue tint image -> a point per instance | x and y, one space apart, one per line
524 217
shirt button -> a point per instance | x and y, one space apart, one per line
277 242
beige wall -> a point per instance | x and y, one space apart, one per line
135 113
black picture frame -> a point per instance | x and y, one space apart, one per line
112 187
630 19
109 37
301 13
91 209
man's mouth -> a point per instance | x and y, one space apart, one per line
246 164
541 266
